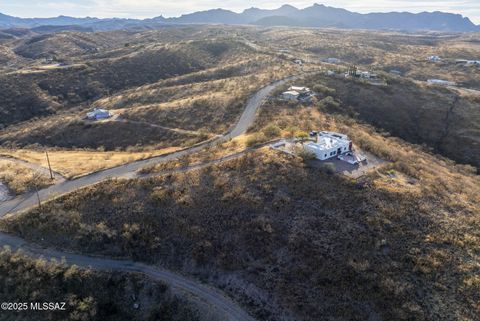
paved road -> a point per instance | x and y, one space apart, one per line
129 170
225 308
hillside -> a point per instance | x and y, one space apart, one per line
88 295
29 93
383 247
443 119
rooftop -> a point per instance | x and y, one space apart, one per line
329 140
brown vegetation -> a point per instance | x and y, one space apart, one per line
397 244
440 118
21 179
88 295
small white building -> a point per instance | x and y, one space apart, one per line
434 58
291 95
98 114
330 73
328 145
473 62
440 82
300 89
332 60
298 61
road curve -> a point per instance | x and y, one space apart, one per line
225 307
129 170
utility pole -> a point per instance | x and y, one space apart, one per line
49 166
35 177
38 197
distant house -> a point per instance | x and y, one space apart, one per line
328 145
468 62
434 58
366 75
473 62
331 60
298 61
330 73
291 95
440 82
361 74
300 89
98 114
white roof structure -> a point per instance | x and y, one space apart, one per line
329 144
332 60
434 58
299 89
98 113
441 82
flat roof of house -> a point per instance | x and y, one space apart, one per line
291 92
327 141
299 88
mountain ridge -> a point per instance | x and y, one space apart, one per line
317 15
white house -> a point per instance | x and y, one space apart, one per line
300 89
328 145
434 58
332 60
473 62
298 61
291 95
98 113
440 82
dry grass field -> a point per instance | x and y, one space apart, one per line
20 179
75 163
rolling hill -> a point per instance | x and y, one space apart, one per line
29 93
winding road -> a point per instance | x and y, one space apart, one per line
226 309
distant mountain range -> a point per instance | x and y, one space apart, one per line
315 16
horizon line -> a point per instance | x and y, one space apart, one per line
230 10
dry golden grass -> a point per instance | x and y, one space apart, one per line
20 179
230 147
77 163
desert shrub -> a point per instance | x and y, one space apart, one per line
301 134
272 131
324 90
328 103
20 179
89 295
256 139
306 155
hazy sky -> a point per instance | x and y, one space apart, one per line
152 8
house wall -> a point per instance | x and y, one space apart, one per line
290 96
324 154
